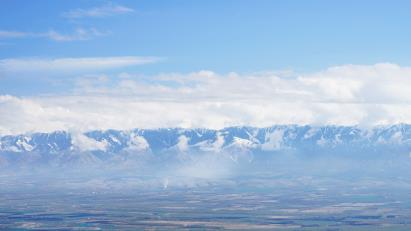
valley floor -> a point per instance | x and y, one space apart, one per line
238 204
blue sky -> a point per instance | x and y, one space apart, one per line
322 56
222 36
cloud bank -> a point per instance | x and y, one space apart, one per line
343 95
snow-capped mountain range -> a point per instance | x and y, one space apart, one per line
109 144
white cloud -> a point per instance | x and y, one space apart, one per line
84 143
344 95
273 141
109 9
79 34
12 34
137 143
71 64
182 144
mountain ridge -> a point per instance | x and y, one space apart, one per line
270 138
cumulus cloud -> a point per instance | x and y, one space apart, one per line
108 9
343 95
30 65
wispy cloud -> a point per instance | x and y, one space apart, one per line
77 35
109 9
29 65
13 34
